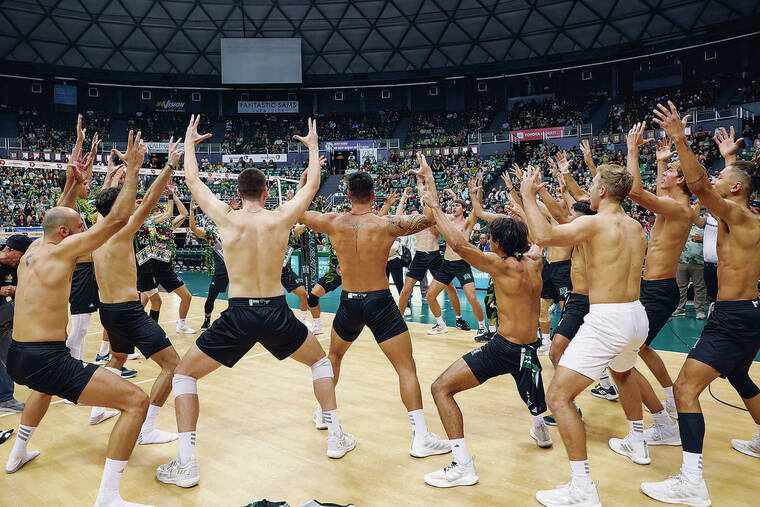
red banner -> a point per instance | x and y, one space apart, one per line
535 134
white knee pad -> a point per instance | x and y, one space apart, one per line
153 292
322 369
75 341
182 384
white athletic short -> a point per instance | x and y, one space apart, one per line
610 335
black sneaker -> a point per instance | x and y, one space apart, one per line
483 337
462 324
267 503
206 324
102 359
549 419
607 394
126 373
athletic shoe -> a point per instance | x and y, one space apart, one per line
432 444
701 316
553 308
316 327
184 476
570 494
748 447
102 416
550 421
462 324
456 474
132 356
206 323
12 405
658 434
607 394
541 435
669 407
679 490
5 435
637 451
484 337
101 360
679 313
319 420
438 329
339 445
126 373
183 329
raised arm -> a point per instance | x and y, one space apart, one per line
402 203
389 201
113 173
181 209
476 196
587 157
198 231
663 154
296 207
213 207
727 145
320 222
76 176
695 174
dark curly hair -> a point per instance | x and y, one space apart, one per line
511 235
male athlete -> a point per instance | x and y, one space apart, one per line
615 326
328 282
38 357
731 337
121 313
515 268
362 241
290 281
257 309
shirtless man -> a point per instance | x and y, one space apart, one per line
257 309
121 313
615 326
515 268
38 357
454 267
659 289
362 241
731 337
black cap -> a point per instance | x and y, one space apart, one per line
19 242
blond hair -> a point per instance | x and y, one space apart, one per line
616 179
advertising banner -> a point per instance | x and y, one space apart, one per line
267 106
348 145
257 158
535 134
170 105
365 153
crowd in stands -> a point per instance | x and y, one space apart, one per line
56 132
441 128
551 112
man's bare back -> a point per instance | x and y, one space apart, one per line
517 284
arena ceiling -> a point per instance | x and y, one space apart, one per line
338 36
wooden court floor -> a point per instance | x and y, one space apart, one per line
256 439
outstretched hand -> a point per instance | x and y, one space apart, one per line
424 169
585 148
726 143
636 136
392 197
664 150
429 199
136 150
80 130
563 163
192 136
175 152
81 167
670 121
311 140
531 182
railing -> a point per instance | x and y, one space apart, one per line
380 144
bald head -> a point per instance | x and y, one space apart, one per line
58 217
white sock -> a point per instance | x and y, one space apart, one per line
109 484
636 430
22 439
181 322
333 425
662 418
75 341
304 314
150 419
580 473
670 399
692 466
186 447
458 317
104 348
604 381
546 337
459 452
419 428
440 321
481 325
538 421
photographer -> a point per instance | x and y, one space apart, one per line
10 255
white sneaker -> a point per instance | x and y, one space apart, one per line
438 329
102 416
431 445
748 447
407 312
679 490
670 408
184 476
541 435
339 445
319 419
316 327
455 474
134 355
637 451
570 494
658 434
183 329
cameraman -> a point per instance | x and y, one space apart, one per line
10 255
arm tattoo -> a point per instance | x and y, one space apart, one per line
406 225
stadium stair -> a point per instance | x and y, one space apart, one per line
402 128
329 185
599 118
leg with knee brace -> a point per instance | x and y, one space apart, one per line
182 384
744 385
321 369
75 341
313 300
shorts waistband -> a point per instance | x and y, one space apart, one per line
616 307
560 263
52 345
428 252
363 295
458 261
577 295
517 345
711 263
123 304
84 264
661 282
739 304
240 302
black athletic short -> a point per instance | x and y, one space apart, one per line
376 309
221 279
145 280
660 299
557 283
129 326
500 356
47 367
424 262
165 276
731 337
576 308
330 281
84 297
454 269
289 279
246 322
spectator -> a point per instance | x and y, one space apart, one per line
691 266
